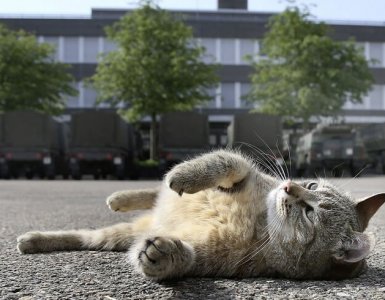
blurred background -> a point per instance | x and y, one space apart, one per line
300 86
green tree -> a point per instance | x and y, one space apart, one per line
29 76
305 72
157 67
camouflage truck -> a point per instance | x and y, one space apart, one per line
101 144
260 136
182 135
330 148
373 137
30 144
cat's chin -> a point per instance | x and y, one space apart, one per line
275 203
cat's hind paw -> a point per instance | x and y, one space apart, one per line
28 243
159 258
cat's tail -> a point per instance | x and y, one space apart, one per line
132 199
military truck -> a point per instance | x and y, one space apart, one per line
30 144
330 148
260 136
373 137
101 144
182 135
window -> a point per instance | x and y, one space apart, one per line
212 93
376 53
71 50
376 97
227 51
228 95
245 89
89 97
210 53
54 41
109 46
247 47
91 49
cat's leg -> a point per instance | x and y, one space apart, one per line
224 169
162 257
118 237
132 199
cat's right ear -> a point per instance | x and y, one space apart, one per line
367 207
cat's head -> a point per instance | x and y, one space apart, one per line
318 230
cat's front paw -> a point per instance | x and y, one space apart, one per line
187 178
159 257
113 201
29 242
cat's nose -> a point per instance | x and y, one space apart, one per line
287 187
290 188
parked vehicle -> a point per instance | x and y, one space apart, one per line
30 144
182 135
101 144
260 136
373 137
330 148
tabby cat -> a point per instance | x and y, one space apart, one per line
220 215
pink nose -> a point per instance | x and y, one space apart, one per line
287 187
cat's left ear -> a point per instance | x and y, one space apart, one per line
356 249
367 207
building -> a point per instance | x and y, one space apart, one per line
228 34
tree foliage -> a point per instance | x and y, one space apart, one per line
29 77
305 72
157 67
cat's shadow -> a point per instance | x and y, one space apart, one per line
224 288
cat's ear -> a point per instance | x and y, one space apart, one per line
367 207
356 249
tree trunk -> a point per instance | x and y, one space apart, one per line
154 138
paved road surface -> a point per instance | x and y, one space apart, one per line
44 205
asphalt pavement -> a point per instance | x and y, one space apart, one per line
53 205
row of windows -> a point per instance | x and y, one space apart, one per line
374 100
226 95
224 51
231 95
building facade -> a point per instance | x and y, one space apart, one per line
228 34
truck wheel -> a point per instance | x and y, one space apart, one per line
50 172
76 175
337 172
28 174
120 174
383 164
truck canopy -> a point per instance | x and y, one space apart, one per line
259 130
26 129
100 129
187 130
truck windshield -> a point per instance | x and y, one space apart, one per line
338 147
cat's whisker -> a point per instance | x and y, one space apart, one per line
268 163
290 161
275 234
284 163
272 152
275 229
264 163
342 186
264 235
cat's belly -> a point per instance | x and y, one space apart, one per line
195 217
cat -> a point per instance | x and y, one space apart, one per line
219 215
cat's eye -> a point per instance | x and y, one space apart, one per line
312 186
